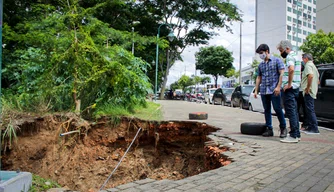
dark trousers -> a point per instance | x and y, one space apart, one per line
276 101
310 118
290 98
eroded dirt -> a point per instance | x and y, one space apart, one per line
163 150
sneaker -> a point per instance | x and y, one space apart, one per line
283 133
268 133
303 130
312 132
289 139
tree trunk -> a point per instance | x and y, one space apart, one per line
164 83
216 80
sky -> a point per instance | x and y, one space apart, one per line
230 41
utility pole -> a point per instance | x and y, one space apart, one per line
298 5
240 53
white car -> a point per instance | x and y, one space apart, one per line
208 95
255 104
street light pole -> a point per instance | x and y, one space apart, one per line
171 37
240 53
298 5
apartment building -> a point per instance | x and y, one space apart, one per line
278 20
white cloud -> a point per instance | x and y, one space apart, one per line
226 39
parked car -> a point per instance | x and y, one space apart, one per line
240 96
222 96
255 104
228 92
324 104
208 95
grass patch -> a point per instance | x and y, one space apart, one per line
151 111
40 184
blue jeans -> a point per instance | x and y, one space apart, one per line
290 97
310 118
276 101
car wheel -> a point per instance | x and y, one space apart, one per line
301 113
251 107
241 105
223 102
252 128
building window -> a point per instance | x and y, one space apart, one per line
300 31
304 24
314 10
299 22
288 27
294 2
304 32
310 1
289 9
309 25
305 6
309 33
294 20
309 8
314 2
299 40
304 40
294 11
289 18
289 37
314 27
289 1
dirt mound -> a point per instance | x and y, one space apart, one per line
80 161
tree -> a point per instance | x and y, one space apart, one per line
214 60
62 58
193 23
255 65
320 45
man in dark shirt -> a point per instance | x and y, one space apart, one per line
269 79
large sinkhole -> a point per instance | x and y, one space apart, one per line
80 161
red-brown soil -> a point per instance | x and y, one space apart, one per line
163 150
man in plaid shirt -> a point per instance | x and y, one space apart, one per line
270 74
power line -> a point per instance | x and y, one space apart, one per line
325 7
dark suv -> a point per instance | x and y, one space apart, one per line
324 104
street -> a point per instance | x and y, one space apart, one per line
259 163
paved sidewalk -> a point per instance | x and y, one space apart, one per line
260 164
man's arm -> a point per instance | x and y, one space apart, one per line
291 74
258 81
309 82
277 90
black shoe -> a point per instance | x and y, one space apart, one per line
283 133
268 133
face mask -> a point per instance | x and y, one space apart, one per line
263 56
284 54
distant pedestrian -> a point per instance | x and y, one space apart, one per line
309 85
290 84
270 74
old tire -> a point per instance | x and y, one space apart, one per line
252 128
198 115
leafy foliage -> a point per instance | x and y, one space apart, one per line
65 59
320 45
214 60
40 184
